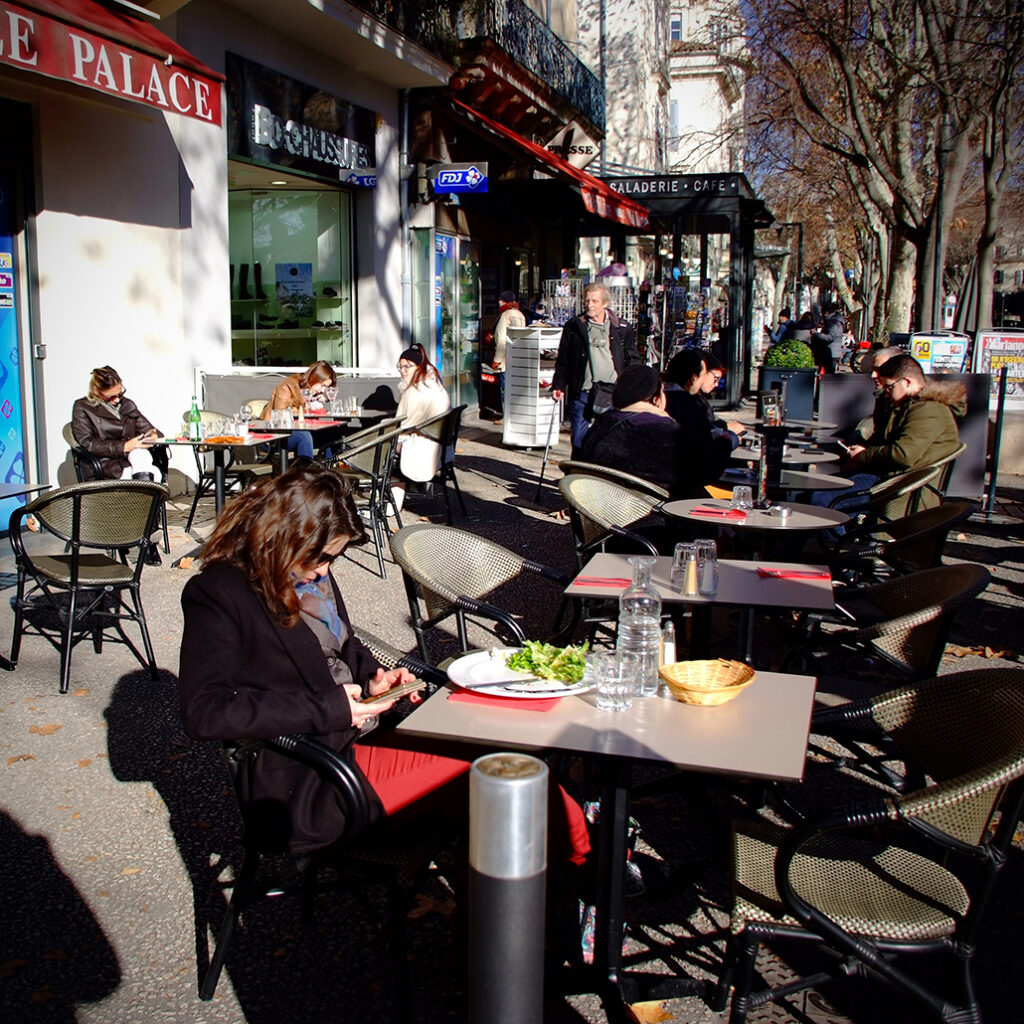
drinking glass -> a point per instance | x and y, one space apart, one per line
353 404
332 394
245 413
707 568
742 497
613 675
305 395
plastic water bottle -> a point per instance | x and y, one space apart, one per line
640 625
194 420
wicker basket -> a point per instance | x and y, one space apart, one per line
706 682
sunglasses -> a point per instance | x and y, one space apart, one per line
113 399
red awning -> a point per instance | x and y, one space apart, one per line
598 198
86 44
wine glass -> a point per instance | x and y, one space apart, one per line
245 413
306 395
332 393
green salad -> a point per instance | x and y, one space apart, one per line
549 662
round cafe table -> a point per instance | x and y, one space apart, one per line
791 457
801 517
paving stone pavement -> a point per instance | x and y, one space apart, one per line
118 832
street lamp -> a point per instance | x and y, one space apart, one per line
798 283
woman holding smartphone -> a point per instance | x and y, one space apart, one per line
268 650
110 426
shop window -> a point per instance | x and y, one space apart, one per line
291 278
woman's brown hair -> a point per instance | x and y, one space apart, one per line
284 522
321 372
103 378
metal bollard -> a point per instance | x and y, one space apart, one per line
508 815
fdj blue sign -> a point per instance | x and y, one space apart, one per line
460 177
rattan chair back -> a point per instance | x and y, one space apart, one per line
371 433
945 466
857 881
918 612
899 495
453 572
599 508
634 483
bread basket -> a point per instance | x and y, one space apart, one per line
706 683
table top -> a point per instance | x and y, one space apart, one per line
738 583
360 414
17 490
790 457
761 732
801 517
253 438
312 424
790 480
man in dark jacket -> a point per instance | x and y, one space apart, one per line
827 344
597 346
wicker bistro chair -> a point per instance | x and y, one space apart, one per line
945 466
893 876
87 467
360 437
895 630
78 593
445 430
454 572
634 483
369 467
243 466
869 553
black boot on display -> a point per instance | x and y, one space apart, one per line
243 281
231 281
257 280
143 476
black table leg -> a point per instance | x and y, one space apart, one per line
219 477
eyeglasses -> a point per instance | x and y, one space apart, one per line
113 399
889 385
402 367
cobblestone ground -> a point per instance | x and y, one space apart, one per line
118 833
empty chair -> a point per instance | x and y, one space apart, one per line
369 467
890 878
79 592
895 630
601 510
899 547
454 574
634 483
241 470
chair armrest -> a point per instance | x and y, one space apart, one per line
489 611
334 769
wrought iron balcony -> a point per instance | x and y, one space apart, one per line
460 30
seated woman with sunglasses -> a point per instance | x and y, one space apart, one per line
111 427
268 649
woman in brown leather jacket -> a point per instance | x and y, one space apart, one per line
110 426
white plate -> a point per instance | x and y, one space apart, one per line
479 671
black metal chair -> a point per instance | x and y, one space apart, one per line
366 852
87 467
369 467
242 469
455 574
79 592
893 876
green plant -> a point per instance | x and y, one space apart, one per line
790 353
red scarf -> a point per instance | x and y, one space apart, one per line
507 305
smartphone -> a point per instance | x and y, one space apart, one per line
401 690
843 445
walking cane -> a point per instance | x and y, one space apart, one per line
556 417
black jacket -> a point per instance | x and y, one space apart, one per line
573 349
103 434
244 676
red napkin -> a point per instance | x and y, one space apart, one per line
321 422
721 513
793 574
601 581
495 701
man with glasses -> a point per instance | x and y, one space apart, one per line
918 429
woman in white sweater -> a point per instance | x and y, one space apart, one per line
423 398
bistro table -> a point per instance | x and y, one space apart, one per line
220 453
792 456
801 517
324 430
791 481
740 584
762 733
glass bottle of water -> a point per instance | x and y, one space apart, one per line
640 625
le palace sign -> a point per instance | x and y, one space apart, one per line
33 42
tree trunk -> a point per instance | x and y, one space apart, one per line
901 283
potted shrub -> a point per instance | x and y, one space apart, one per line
789 365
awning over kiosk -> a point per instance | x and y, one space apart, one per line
598 198
86 44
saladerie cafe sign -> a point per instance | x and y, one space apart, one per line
277 120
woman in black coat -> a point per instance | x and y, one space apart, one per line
268 649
